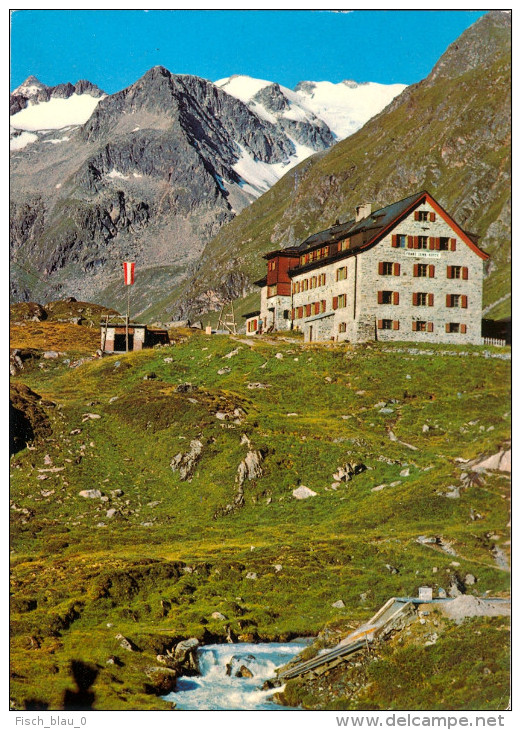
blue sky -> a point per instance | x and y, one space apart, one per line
113 48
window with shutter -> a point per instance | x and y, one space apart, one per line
410 241
423 242
432 217
452 244
464 301
431 271
396 269
396 324
448 300
380 324
415 299
431 300
308 310
464 273
432 243
430 326
396 297
335 302
463 329
415 242
394 240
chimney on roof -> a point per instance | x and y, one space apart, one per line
362 211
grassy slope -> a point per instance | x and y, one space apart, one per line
79 577
440 135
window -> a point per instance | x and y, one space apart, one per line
323 305
457 272
423 241
322 280
387 324
385 297
308 310
305 284
342 327
272 265
421 215
422 326
456 328
313 282
300 312
444 244
421 270
385 268
457 300
342 300
285 314
341 273
272 290
252 325
420 299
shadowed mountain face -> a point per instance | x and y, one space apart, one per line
152 176
449 134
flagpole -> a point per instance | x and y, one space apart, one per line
128 315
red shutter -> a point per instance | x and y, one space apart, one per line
300 312
416 215
447 327
396 297
437 244
430 326
396 269
431 271
380 267
410 241
394 240
432 217
452 244
463 329
448 300
415 270
430 299
380 324
464 273
396 324
449 272
414 326
464 301
335 302
415 243
293 314
432 243
380 297
415 299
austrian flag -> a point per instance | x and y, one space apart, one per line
128 269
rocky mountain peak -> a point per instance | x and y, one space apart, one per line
272 98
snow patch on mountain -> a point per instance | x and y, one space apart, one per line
55 113
345 107
258 177
22 140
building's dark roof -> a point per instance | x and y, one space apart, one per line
371 225
251 314
261 282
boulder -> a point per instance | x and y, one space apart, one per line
303 492
90 493
186 653
250 468
338 604
163 679
125 643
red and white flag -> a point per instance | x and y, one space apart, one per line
128 270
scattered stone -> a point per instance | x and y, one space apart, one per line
395 484
386 410
251 576
90 417
278 568
116 492
391 435
150 376
232 353
255 386
338 604
75 432
111 513
291 414
424 540
245 441
224 371
470 579
91 493
279 355
163 679
392 569
335 485
404 473
185 652
50 355
502 461
218 616
453 493
125 643
303 492
378 488
221 416
425 428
